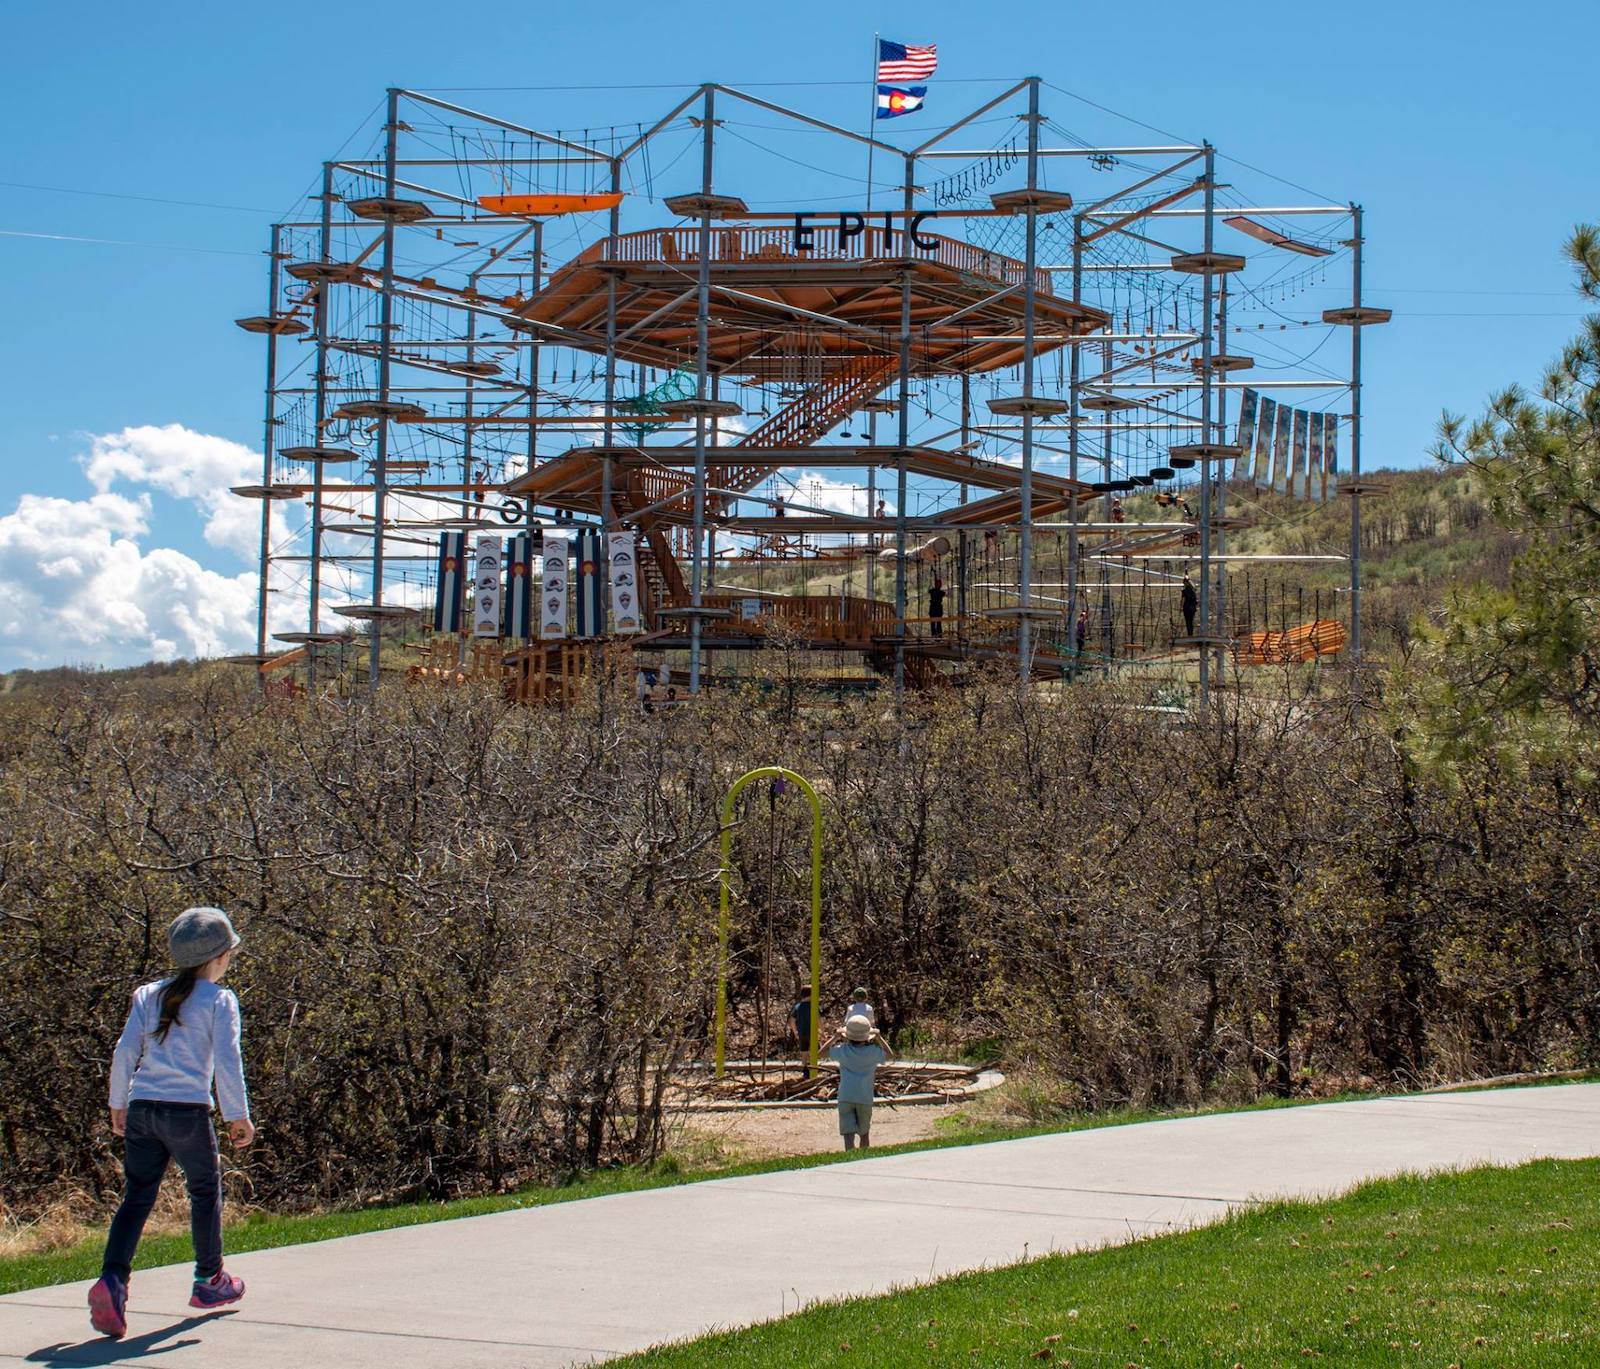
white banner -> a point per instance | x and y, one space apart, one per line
553 587
625 609
486 587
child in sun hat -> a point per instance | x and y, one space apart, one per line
858 1058
181 1035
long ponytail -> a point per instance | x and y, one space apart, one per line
177 990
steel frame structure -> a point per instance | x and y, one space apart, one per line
435 323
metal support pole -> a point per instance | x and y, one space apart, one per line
319 414
905 436
614 229
380 481
535 285
1030 290
702 326
1218 627
1076 420
1357 242
1206 434
267 450
961 537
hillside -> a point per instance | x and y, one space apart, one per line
1428 536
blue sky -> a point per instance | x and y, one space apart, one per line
1466 131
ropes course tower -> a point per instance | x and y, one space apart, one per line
536 394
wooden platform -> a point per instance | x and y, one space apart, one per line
574 482
762 288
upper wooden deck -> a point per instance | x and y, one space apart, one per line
841 297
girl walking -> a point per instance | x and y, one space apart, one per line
182 1032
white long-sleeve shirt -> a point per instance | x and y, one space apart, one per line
202 1045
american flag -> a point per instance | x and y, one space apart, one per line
899 63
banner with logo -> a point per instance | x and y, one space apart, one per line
553 587
520 588
591 609
486 587
1262 474
1246 437
1280 450
450 581
624 557
1299 465
1316 476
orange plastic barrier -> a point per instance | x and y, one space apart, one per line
1322 637
545 206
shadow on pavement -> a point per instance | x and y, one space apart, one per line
104 1350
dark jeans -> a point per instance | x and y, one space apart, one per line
157 1133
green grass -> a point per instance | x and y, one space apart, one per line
1489 1267
265 1231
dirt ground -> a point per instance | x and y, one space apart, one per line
763 1133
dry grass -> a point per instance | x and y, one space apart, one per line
75 1216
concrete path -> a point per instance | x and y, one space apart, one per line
580 1281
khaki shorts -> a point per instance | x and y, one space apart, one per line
855 1119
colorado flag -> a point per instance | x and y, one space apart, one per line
894 101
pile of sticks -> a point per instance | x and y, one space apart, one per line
792 1086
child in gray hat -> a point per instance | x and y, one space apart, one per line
182 1033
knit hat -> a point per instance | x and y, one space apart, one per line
857 1029
198 935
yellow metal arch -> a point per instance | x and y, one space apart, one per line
773 772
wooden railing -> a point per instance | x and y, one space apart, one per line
777 244
804 617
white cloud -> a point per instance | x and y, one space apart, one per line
80 584
187 465
822 492
77 588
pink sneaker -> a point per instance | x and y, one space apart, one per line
217 1291
108 1304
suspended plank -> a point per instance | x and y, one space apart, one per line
544 206
1262 233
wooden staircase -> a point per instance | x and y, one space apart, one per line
796 425
810 417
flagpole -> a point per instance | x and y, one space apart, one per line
872 114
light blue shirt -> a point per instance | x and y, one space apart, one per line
858 1062
201 1045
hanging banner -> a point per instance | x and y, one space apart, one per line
1317 475
1299 468
1280 450
553 587
1246 436
1261 475
1330 455
450 582
624 558
486 587
520 589
591 613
